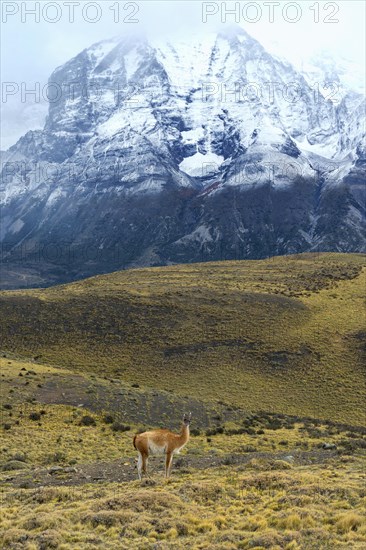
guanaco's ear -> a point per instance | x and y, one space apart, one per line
187 418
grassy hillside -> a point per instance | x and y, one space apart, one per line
250 481
269 357
256 481
283 335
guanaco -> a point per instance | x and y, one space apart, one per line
160 442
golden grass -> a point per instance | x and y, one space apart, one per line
59 437
218 508
269 502
282 335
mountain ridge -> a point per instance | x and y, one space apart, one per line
177 152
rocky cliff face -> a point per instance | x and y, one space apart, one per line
160 152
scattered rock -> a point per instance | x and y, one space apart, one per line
55 470
329 446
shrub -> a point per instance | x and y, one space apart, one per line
314 433
248 449
118 427
228 460
13 465
15 538
182 529
274 424
20 457
105 518
108 419
48 539
349 522
87 421
179 462
35 416
214 431
58 456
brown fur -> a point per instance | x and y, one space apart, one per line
166 441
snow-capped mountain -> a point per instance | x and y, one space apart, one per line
177 151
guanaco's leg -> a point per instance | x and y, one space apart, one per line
168 464
139 465
144 463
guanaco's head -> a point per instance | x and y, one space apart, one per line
187 419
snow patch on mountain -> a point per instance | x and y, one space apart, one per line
199 165
206 147
201 235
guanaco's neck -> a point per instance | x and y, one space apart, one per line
184 433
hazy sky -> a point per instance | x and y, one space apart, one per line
30 50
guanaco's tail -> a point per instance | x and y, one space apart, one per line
134 440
